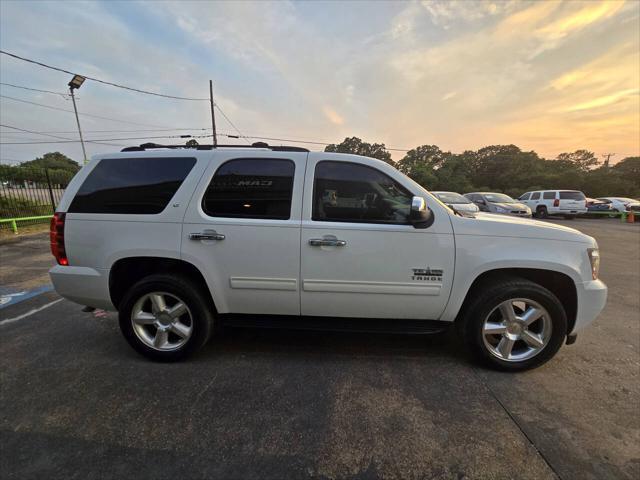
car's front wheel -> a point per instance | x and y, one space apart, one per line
514 324
165 317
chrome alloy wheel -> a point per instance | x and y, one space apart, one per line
162 321
516 330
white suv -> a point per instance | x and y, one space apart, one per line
544 203
180 241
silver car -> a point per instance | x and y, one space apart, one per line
457 202
499 203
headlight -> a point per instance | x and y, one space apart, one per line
594 259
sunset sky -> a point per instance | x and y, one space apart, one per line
546 76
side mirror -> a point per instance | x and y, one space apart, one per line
420 215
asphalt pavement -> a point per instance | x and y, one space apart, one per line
77 402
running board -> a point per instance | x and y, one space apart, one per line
335 324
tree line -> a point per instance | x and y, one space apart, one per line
499 168
53 166
505 169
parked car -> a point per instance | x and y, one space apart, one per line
621 204
182 240
498 203
594 205
457 202
544 203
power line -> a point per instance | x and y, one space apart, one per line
240 134
34 89
23 130
127 131
105 82
106 140
289 140
83 114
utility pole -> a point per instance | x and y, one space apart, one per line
213 116
76 82
607 156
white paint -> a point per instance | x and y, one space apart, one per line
29 313
260 265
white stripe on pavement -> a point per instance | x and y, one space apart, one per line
30 312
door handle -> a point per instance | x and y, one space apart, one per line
327 242
207 235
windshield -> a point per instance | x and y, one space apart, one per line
451 197
498 198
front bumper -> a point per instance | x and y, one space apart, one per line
83 285
592 297
519 214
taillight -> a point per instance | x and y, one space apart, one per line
56 235
556 203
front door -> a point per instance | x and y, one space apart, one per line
360 256
242 231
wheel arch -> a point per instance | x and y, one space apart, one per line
125 272
558 283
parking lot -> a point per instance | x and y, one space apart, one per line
77 402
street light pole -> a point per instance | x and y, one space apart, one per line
76 82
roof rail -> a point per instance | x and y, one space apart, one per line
274 148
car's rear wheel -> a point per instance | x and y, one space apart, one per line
165 318
541 212
514 325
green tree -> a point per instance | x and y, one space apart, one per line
584 160
54 161
629 168
455 173
420 163
357 147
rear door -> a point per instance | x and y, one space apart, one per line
242 230
360 256
534 201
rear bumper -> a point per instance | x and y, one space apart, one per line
83 285
568 211
592 297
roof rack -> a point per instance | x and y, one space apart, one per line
275 148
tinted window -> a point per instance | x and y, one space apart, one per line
251 188
572 196
535 196
525 196
348 192
131 185
549 195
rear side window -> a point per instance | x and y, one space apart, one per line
535 195
131 185
549 195
251 188
572 196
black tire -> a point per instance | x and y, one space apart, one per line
191 294
484 301
541 212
